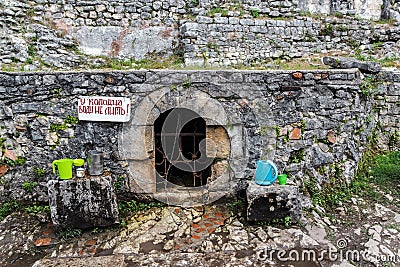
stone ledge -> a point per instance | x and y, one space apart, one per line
83 203
267 203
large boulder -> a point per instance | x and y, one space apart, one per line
267 203
83 203
349 63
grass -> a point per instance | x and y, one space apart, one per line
119 183
297 156
254 13
126 208
390 61
305 13
376 170
370 85
236 206
71 120
40 172
129 208
54 127
151 62
18 162
186 83
301 63
218 10
285 222
29 186
384 171
310 63
69 233
387 61
342 28
35 209
57 92
327 30
338 15
389 21
176 61
7 208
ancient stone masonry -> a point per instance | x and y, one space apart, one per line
313 124
386 110
79 34
227 41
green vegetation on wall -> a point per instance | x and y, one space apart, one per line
376 171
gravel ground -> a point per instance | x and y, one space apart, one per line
359 233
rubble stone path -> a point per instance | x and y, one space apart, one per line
359 234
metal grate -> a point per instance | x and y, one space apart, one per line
189 139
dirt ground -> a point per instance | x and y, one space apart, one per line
359 232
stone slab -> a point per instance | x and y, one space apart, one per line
348 63
83 203
118 41
267 203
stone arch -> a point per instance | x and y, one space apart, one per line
136 145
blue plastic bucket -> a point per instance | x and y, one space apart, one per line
266 172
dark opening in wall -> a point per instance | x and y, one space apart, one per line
178 133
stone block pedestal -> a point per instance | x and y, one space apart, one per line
83 203
267 203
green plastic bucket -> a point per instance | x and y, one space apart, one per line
64 167
282 179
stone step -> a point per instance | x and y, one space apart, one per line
153 259
102 261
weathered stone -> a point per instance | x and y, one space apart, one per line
323 147
331 137
319 157
241 102
347 63
266 203
220 137
218 168
83 203
297 75
118 41
41 242
295 134
101 261
238 234
3 170
10 154
142 178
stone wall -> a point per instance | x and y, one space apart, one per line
84 34
220 40
129 13
394 11
386 110
313 124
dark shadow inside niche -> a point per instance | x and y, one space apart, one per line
193 131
